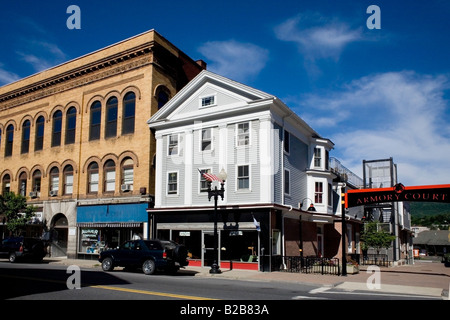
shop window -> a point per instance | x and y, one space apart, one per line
243 134
26 127
39 134
93 177
129 112
23 184
6 183
96 120
239 245
243 177
172 183
111 117
110 176
71 122
68 179
9 140
54 181
57 128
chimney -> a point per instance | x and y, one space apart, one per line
202 64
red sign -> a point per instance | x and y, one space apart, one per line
434 193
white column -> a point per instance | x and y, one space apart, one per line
159 186
266 161
188 166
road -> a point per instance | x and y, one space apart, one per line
26 281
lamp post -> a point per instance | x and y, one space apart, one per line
216 193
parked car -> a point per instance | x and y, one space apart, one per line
20 248
149 255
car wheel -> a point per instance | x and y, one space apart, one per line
12 257
149 267
107 264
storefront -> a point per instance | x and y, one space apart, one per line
240 244
107 226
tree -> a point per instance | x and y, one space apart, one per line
373 237
16 210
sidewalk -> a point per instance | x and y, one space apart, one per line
421 278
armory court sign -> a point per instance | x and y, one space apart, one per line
434 193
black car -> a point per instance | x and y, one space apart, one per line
149 255
18 248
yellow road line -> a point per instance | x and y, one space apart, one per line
153 293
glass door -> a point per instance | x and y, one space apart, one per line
208 248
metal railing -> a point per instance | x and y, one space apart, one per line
306 265
372 259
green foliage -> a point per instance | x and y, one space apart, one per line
432 215
16 210
373 237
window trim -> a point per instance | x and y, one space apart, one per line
106 182
91 171
39 139
9 140
319 157
237 135
249 189
111 125
26 135
96 126
318 193
202 179
203 98
57 135
66 174
211 140
71 133
125 119
288 193
177 144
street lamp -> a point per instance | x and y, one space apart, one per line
311 206
216 193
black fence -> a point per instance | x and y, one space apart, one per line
306 265
381 260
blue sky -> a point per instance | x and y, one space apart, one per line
376 93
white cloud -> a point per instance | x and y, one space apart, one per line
316 37
45 54
7 77
236 60
402 115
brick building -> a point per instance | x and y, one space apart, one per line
74 140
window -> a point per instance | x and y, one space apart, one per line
172 183
36 182
128 172
318 192
23 184
287 182
57 127
162 97
9 140
68 179
71 122
243 134
206 139
208 101
26 127
203 182
39 140
243 177
129 111
111 117
173 145
286 141
317 157
93 177
110 176
330 190
96 119
54 180
6 184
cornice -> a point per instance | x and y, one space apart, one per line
124 61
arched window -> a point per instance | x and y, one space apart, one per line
96 120
93 177
111 117
36 182
57 127
68 179
129 111
127 174
54 181
23 184
26 127
39 139
110 176
162 96
6 184
9 140
71 122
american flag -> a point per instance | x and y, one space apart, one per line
210 177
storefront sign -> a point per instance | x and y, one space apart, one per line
398 193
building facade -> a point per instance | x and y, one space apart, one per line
73 141
277 166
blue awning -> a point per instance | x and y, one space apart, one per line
113 213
